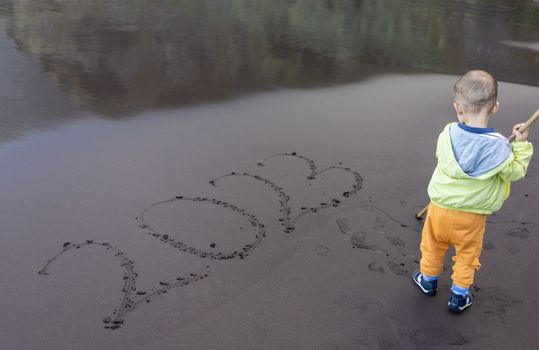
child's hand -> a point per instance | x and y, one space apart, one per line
520 136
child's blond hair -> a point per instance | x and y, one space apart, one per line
476 91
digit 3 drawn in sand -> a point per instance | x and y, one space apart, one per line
287 221
132 298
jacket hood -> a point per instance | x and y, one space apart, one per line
449 164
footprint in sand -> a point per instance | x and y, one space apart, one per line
488 245
358 240
398 335
396 241
322 250
433 337
520 232
375 267
512 248
379 225
398 269
494 302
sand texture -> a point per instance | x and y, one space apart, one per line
281 220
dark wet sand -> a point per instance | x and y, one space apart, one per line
235 262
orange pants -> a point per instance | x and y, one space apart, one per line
464 231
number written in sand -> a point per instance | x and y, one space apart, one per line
132 297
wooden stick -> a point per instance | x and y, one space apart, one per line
526 125
511 138
422 212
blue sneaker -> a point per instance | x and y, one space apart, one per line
428 287
458 303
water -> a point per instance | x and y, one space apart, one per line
118 58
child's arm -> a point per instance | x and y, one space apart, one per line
522 152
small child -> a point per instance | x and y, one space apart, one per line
472 179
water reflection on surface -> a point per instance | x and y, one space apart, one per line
120 57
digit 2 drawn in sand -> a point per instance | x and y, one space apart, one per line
132 298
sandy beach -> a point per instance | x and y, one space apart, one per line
278 220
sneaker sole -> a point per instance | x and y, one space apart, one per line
459 309
427 292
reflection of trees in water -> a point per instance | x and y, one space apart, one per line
118 57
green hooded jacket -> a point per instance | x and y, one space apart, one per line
450 187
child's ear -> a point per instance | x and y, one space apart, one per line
459 110
495 108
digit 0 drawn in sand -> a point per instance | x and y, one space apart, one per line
175 243
133 298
